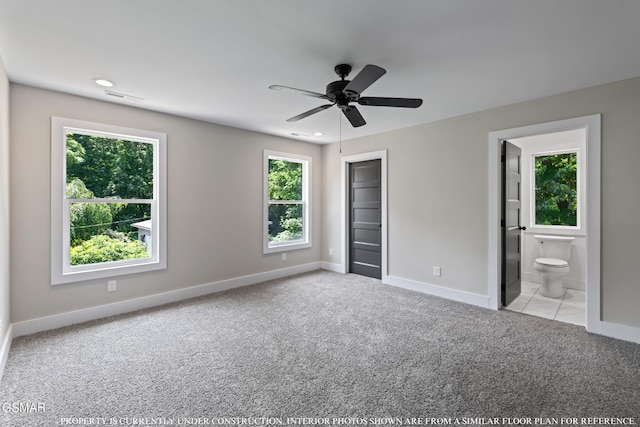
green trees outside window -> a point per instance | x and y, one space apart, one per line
106 179
285 195
556 190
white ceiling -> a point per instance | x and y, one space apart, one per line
215 59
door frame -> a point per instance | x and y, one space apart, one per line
592 126
344 212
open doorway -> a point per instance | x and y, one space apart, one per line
552 193
591 127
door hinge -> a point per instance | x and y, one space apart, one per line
502 223
502 159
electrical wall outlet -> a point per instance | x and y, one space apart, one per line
112 286
284 256
436 271
330 252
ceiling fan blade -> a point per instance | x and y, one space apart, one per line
310 112
390 102
364 79
300 92
354 116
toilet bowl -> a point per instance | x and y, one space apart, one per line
553 264
551 271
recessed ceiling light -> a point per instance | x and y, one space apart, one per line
318 134
104 82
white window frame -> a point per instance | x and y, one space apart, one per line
305 242
61 269
532 214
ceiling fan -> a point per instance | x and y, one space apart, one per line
343 92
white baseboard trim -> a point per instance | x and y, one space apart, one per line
608 329
621 332
4 349
56 321
331 266
439 291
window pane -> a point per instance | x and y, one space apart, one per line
107 232
285 180
556 189
285 222
108 167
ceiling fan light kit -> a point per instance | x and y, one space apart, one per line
343 92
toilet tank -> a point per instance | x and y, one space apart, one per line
558 247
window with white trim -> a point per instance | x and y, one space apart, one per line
555 189
108 200
287 207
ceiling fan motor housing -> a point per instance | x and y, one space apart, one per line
334 91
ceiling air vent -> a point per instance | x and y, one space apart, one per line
123 96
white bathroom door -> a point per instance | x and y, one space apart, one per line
511 229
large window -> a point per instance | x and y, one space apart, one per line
107 200
287 202
556 189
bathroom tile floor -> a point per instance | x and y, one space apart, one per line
569 309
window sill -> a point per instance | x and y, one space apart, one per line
106 271
557 231
286 247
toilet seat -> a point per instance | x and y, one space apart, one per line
552 262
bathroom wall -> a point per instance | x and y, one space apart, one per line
542 144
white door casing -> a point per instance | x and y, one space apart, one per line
592 126
344 197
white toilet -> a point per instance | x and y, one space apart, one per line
553 264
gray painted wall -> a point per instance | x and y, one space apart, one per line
4 203
214 210
438 189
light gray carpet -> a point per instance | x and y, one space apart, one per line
320 345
